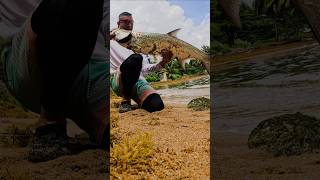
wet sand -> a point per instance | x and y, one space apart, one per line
248 92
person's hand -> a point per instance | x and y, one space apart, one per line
112 34
166 57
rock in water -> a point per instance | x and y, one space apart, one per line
288 134
199 104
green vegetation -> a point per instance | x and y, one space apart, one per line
153 77
287 20
265 22
175 71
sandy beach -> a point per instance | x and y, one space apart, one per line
181 136
83 163
16 124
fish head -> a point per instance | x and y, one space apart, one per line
120 34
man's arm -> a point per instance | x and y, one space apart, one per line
166 57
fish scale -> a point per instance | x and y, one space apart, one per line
154 43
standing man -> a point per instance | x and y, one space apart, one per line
127 70
55 64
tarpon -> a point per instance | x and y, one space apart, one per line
154 43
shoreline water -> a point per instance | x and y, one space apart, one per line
250 91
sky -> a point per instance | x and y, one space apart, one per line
194 9
162 16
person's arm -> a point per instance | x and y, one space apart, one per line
166 57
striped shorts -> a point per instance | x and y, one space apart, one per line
140 91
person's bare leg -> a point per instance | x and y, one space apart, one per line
62 55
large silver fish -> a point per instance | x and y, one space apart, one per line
154 43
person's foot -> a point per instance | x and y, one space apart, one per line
125 106
50 141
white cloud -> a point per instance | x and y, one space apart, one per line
161 17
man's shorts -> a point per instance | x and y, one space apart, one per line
140 91
88 103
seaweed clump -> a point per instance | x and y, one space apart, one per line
132 156
199 104
288 134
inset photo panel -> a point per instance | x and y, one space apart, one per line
160 89
54 89
265 89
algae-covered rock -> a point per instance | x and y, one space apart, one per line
288 134
199 104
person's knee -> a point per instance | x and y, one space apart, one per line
153 103
132 63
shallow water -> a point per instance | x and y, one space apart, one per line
183 93
247 92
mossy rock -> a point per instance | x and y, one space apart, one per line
288 134
199 104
